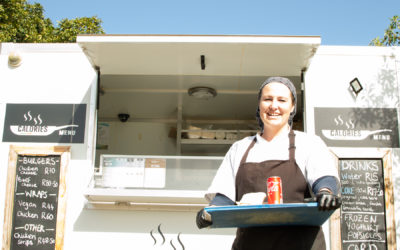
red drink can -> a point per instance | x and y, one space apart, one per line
274 189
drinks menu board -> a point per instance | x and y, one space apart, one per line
35 202
363 204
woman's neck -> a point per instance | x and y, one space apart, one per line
270 133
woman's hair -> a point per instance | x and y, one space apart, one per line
287 83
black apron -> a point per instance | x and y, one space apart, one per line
252 177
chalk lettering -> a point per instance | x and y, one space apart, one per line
360 235
347 190
351 208
23 180
367 209
376 204
24 236
39 160
29 185
49 170
49 183
26 205
27 170
27 214
359 165
46 216
362 227
45 240
34 227
47 205
36 194
350 176
374 191
25 242
371 177
362 246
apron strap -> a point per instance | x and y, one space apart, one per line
292 146
244 158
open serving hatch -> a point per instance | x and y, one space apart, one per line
149 77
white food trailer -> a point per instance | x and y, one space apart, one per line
111 142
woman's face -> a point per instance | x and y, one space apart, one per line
275 105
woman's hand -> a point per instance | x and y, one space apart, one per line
327 200
203 219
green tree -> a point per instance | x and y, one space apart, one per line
21 22
68 29
391 36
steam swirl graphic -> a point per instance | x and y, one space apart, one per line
160 232
339 122
163 239
28 117
180 242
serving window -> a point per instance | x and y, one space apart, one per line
183 96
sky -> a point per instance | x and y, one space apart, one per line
337 22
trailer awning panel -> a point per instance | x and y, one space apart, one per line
181 55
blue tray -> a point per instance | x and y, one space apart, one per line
290 214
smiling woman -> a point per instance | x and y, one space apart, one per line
303 163
275 108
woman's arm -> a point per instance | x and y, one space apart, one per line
203 219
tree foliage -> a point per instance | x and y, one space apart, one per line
67 29
21 22
391 36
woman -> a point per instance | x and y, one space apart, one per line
303 162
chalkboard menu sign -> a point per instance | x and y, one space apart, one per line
35 202
363 223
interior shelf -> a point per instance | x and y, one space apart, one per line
200 140
208 136
207 141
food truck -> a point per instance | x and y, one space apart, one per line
111 142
